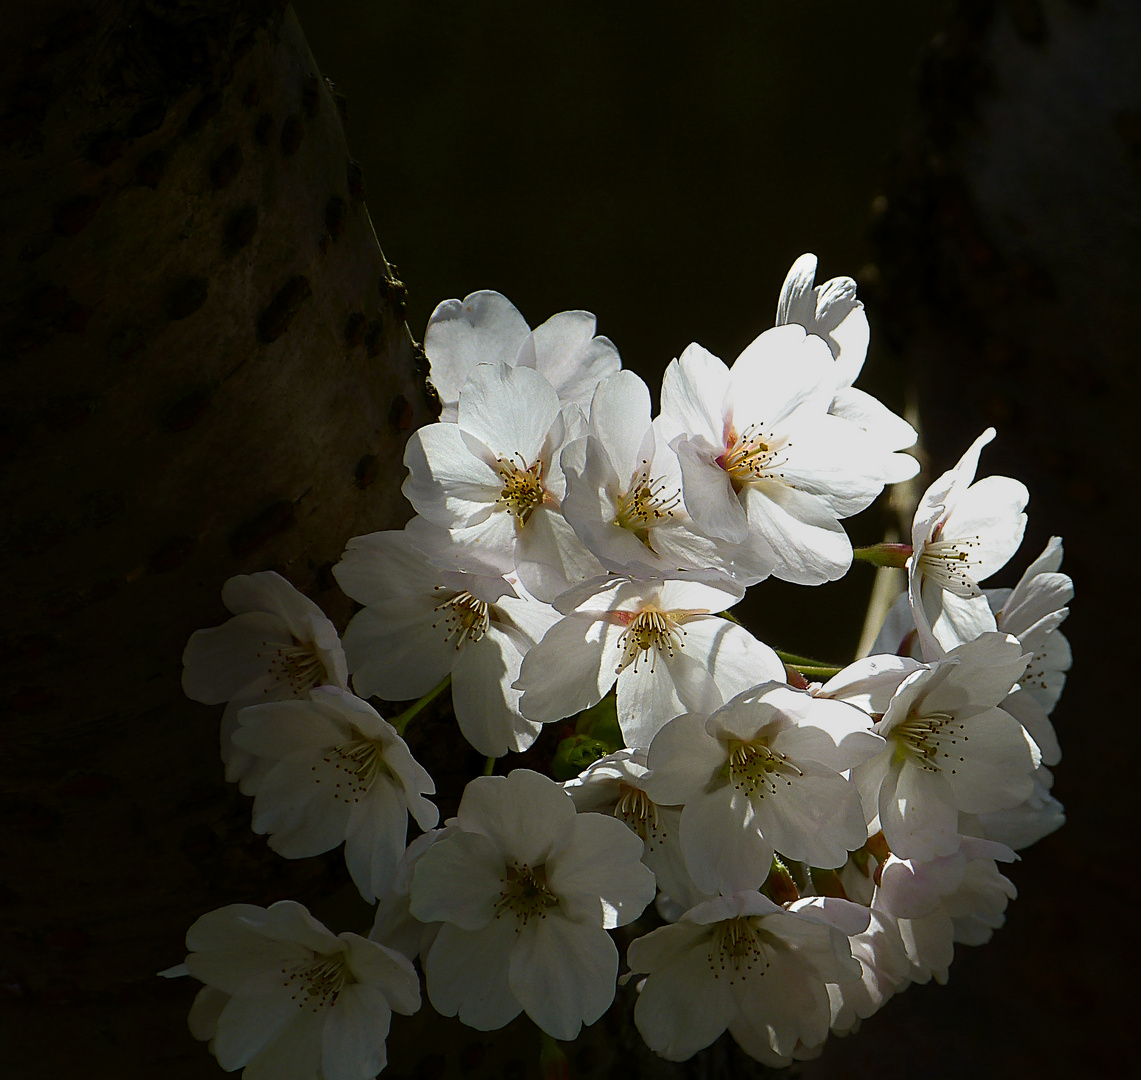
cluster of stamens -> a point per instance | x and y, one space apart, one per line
753 455
522 487
649 631
949 562
296 665
640 812
647 503
740 948
357 765
317 984
524 894
755 770
466 618
927 738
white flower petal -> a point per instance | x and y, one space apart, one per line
467 974
353 1044
458 880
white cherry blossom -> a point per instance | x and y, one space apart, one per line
949 747
339 772
832 312
486 328
288 1000
494 478
526 889
660 642
764 464
964 530
762 775
741 962
425 618
624 499
278 645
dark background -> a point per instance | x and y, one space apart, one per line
975 166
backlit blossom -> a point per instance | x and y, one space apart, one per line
278 645
526 889
494 478
764 464
288 1000
659 640
338 772
743 963
424 618
486 328
964 530
762 775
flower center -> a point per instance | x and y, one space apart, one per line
361 762
522 488
317 984
739 947
755 454
466 618
755 770
926 738
949 563
524 893
647 503
649 629
296 665
640 813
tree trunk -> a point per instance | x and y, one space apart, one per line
207 372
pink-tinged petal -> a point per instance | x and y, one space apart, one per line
467 974
655 688
395 652
693 395
486 706
988 667
563 974
483 328
780 371
565 350
724 848
930 946
550 556
620 418
918 814
223 662
708 491
524 813
813 815
831 733
571 669
683 760
447 483
682 1008
810 543
596 872
353 1044
458 880
509 410
793 1008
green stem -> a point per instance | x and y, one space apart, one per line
730 616
401 722
807 666
489 765
884 554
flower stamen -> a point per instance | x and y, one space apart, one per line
362 762
754 769
317 984
925 738
296 665
522 488
467 618
525 894
650 629
640 813
739 948
753 455
647 503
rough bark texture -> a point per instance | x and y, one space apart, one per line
206 372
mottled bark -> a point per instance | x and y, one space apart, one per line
206 372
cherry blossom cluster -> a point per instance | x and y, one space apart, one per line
788 843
